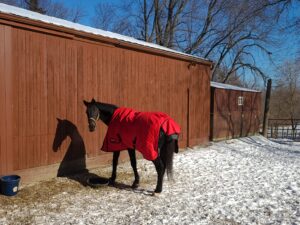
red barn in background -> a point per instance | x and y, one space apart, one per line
234 111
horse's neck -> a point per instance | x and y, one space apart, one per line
107 111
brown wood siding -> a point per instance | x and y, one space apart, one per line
199 92
2 101
45 77
231 120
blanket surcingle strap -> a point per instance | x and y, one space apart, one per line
138 130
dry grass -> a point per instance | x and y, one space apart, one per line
44 191
46 195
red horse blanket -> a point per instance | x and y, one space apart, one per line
139 130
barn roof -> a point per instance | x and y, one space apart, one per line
230 87
134 43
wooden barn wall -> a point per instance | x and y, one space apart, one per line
231 120
45 78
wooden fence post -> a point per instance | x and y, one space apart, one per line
267 107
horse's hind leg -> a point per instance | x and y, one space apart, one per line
132 156
114 170
160 169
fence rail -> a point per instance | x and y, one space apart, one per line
284 128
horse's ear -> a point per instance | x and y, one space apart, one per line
93 100
58 120
85 102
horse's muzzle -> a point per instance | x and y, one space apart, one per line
92 126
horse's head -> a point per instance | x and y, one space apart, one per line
99 111
93 113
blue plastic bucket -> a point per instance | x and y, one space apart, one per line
10 185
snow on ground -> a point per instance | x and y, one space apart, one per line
243 181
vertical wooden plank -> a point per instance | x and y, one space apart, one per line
61 99
84 80
21 95
185 100
51 104
132 71
80 90
105 74
30 150
15 97
93 88
90 90
131 84
206 101
8 95
39 97
35 139
124 78
115 81
159 72
121 70
98 91
150 84
71 81
193 106
3 147
139 82
43 146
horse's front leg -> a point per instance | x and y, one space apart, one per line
132 157
112 179
160 169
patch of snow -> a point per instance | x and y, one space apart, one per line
230 87
249 180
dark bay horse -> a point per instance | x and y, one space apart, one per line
165 137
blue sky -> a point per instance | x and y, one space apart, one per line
87 5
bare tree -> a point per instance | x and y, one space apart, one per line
285 101
104 14
34 5
58 9
50 8
229 32
114 18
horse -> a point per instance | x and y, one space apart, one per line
157 127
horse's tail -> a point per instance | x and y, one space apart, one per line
167 156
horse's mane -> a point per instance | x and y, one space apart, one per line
105 107
107 111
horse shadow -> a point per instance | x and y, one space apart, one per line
73 165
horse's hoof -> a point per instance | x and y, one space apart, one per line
134 186
158 191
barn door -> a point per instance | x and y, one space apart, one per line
198 117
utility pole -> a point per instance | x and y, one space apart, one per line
267 107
